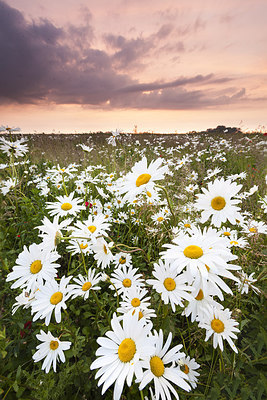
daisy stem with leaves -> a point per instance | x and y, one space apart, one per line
169 202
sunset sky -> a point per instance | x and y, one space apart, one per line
165 66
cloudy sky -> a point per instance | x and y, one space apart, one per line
165 66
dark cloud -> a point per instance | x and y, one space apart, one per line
44 63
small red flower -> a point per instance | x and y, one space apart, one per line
18 235
86 204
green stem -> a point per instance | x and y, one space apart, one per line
141 394
99 306
169 202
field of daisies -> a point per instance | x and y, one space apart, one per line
135 271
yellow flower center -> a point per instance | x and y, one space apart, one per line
185 369
217 325
127 283
200 295
142 179
66 206
254 230
54 345
149 194
92 228
187 225
234 242
157 366
135 302
83 246
218 203
56 298
160 219
86 286
226 233
126 350
122 260
193 251
36 267
169 284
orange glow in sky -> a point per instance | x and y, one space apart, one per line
172 66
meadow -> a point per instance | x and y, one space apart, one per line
133 266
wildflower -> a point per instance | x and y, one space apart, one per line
85 284
217 202
172 287
188 366
51 231
245 282
51 349
121 351
134 300
102 252
220 324
142 178
51 297
34 267
65 206
156 368
126 277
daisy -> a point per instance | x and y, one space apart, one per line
92 228
121 259
217 202
142 178
124 278
134 300
160 217
51 297
24 299
245 282
51 349
121 351
157 369
102 252
51 231
200 305
85 284
254 227
235 241
78 246
188 366
65 206
8 185
220 324
204 255
33 267
172 287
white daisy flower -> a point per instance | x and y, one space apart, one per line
160 217
200 306
134 300
172 287
220 324
254 227
102 252
24 299
218 202
235 241
51 297
51 231
124 278
188 366
92 228
142 178
77 246
51 349
122 259
8 185
245 282
34 267
65 206
157 369
203 254
121 351
85 284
